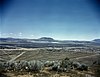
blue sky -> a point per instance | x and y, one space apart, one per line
60 19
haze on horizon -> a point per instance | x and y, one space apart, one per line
59 19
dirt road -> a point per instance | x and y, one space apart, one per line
16 57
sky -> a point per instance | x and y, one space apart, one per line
59 19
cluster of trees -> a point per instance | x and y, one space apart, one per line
36 66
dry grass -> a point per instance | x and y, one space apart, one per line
44 54
44 73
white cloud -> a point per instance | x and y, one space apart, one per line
20 34
32 35
4 34
11 33
0 33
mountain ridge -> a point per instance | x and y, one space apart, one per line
47 39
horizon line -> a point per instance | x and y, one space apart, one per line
52 38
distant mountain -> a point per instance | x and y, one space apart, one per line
45 42
15 40
46 39
97 40
20 40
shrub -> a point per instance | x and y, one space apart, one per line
76 64
56 67
66 64
21 66
1 67
35 65
83 67
49 63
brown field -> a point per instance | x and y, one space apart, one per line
49 55
41 54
